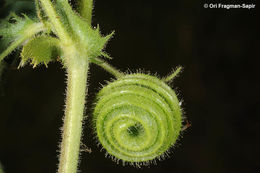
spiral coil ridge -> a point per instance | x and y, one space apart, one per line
137 118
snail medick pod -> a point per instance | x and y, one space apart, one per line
137 118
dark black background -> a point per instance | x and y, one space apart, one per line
218 49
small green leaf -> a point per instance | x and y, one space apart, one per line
42 49
95 42
15 31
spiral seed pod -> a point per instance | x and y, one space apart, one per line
137 118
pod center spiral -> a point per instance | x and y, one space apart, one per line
135 130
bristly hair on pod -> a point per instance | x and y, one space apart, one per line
137 119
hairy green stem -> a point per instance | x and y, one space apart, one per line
85 9
54 18
109 68
77 70
77 65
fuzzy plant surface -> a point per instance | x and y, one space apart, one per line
137 117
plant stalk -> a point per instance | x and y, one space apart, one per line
109 68
77 70
85 9
54 18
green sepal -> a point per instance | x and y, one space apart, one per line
40 50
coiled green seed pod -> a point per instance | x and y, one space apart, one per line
137 118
